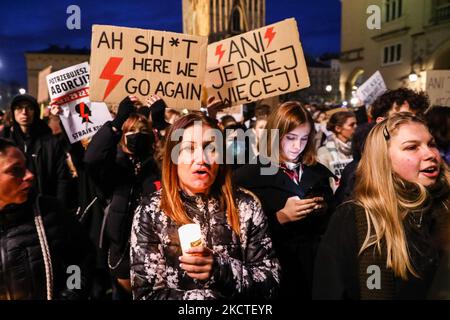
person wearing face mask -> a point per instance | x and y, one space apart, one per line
294 193
388 242
120 161
238 149
337 151
320 118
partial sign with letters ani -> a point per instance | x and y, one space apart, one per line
438 87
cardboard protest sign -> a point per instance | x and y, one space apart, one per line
42 95
262 63
370 90
438 87
142 62
69 88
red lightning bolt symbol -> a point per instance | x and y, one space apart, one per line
219 52
82 114
108 74
269 35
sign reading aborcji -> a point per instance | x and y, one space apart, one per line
127 61
258 64
69 88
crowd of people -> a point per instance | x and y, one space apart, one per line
296 201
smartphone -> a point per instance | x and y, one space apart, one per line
313 192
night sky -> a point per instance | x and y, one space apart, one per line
34 25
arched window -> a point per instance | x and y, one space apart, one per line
236 22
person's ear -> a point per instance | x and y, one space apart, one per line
379 119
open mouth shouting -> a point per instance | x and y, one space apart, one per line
202 172
430 172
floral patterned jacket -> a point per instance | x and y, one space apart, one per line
244 265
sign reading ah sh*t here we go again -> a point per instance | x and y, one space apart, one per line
140 62
258 64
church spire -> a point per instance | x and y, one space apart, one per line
219 19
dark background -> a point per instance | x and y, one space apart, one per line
35 25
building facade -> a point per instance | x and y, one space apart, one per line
324 79
219 19
414 37
57 58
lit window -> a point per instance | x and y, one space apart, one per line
392 54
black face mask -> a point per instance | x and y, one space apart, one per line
139 143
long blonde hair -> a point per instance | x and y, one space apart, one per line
222 188
385 197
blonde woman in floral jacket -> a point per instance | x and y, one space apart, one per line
236 258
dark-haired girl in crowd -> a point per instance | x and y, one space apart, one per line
337 151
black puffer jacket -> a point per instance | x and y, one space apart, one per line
114 173
22 268
245 265
45 156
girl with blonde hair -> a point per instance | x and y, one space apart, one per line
387 243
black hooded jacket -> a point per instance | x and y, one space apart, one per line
22 268
295 243
45 155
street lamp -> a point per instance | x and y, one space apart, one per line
328 88
22 91
413 76
354 101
